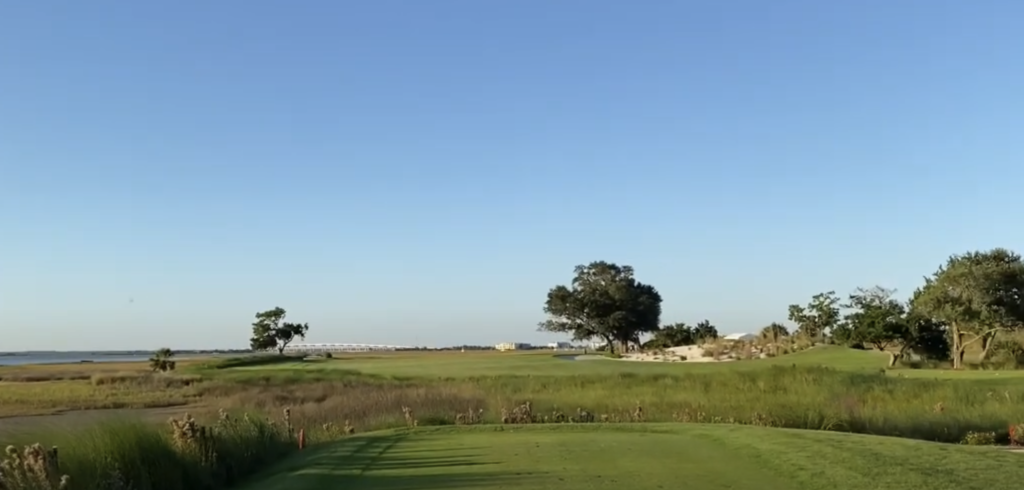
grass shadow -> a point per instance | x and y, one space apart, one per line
379 462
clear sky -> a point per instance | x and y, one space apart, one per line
422 172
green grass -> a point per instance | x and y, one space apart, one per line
854 394
782 392
543 363
642 457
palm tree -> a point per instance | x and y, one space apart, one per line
161 360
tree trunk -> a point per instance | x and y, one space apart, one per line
958 347
280 351
893 357
986 343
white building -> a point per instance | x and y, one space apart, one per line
560 345
740 337
504 346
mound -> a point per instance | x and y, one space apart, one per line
651 456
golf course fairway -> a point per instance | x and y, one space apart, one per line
648 456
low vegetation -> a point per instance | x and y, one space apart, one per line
857 366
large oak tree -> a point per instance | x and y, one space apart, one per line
977 295
604 301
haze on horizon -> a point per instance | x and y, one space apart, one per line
421 173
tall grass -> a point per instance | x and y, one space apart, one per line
794 397
323 402
138 456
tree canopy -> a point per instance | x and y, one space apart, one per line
977 295
878 320
603 301
269 331
673 335
818 318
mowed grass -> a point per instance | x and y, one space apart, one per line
647 456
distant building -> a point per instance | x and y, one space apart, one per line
740 337
504 346
560 345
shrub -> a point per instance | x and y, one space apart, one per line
979 439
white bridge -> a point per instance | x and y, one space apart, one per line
321 348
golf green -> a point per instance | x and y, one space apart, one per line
655 456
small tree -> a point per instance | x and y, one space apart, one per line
773 333
878 320
818 318
162 361
604 301
705 332
672 336
271 332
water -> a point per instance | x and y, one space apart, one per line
18 359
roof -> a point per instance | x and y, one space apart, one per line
740 336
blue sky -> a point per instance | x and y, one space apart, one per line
421 173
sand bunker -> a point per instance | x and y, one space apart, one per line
684 353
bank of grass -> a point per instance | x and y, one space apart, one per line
133 455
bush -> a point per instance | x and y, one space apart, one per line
979 439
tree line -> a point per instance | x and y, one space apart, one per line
971 299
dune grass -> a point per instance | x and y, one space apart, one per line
640 456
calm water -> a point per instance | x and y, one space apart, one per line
76 357
67 357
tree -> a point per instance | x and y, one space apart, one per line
926 338
672 336
977 295
878 320
271 332
705 332
162 361
818 318
604 301
772 334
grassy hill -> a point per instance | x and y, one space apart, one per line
650 456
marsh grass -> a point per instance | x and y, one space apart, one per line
99 392
326 403
182 455
793 397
